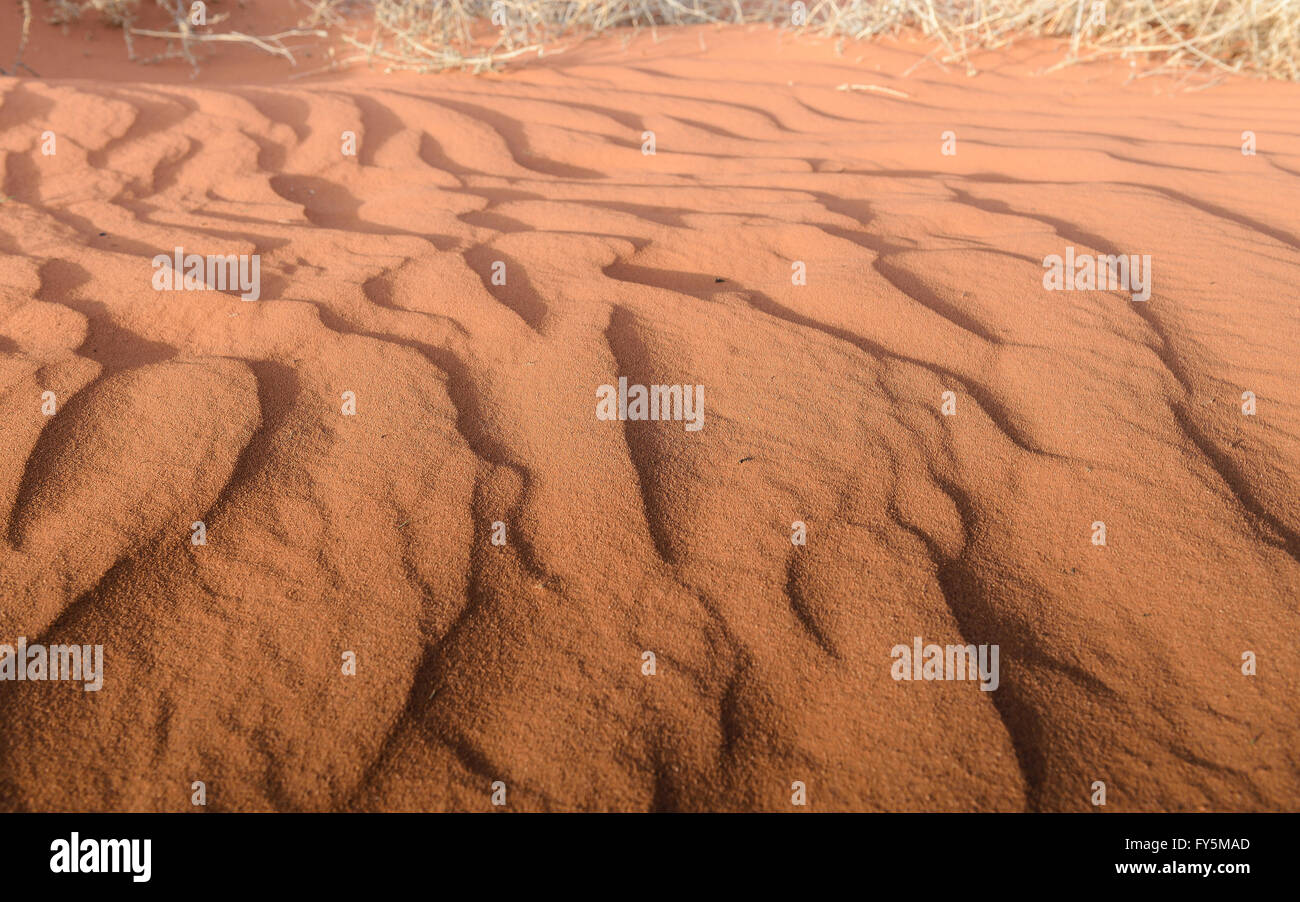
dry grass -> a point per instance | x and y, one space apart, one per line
1260 37
181 37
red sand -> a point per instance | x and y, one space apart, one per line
476 403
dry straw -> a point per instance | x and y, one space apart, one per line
1260 37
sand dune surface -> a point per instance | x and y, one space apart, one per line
329 532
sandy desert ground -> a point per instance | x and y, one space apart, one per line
475 404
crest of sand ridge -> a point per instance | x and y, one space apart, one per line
475 404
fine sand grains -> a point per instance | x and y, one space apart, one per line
371 533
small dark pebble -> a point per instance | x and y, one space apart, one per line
719 280
103 234
743 459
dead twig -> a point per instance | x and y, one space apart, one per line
23 38
876 89
271 43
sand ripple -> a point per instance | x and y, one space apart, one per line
372 533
